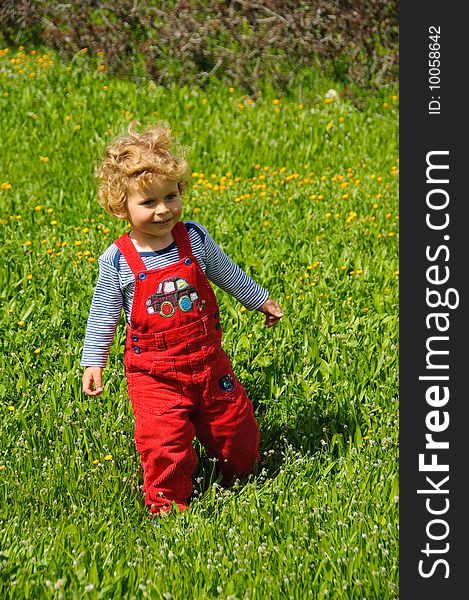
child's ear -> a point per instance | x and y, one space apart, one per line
121 214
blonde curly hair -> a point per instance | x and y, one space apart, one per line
134 161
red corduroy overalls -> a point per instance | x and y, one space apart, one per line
181 383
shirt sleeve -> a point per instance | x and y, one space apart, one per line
227 275
104 315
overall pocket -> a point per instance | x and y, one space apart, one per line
156 391
223 384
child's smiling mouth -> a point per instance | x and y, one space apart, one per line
162 222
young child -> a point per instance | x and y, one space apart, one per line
180 381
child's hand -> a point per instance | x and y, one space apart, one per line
92 381
273 312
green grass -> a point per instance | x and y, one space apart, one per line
320 519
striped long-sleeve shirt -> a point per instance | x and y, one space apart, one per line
115 287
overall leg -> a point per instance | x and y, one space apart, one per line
163 436
225 422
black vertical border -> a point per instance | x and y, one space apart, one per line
420 133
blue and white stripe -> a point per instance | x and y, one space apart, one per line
115 287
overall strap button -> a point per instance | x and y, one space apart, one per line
135 338
188 261
142 276
137 350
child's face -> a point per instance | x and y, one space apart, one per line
154 211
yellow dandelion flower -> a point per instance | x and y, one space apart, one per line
54 222
275 101
38 207
328 100
78 242
77 127
29 277
2 468
343 267
44 159
375 205
37 350
11 407
349 298
96 461
28 243
108 457
231 90
67 118
21 323
328 215
385 105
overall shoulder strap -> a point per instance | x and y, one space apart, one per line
130 253
182 239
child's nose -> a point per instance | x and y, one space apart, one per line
162 209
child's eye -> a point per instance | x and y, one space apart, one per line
171 197
148 202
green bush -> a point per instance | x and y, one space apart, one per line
238 43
